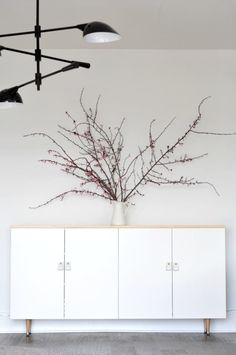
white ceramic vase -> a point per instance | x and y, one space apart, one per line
118 214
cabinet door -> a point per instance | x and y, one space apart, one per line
144 273
36 282
91 281
199 279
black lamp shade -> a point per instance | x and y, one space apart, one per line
99 32
10 97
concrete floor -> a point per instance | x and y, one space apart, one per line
118 344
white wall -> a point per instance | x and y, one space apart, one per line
140 85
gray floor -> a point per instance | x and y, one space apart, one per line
118 344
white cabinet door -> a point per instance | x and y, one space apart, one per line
36 282
199 279
145 273
91 281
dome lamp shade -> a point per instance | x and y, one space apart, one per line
99 32
10 97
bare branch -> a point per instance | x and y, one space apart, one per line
215 133
96 157
170 149
74 191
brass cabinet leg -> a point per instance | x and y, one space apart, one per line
207 326
28 327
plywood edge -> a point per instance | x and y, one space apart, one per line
125 226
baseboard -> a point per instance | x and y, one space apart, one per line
168 326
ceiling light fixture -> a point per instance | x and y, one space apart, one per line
93 32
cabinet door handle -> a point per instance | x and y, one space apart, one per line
168 266
68 266
175 266
60 266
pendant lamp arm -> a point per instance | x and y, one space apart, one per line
33 54
79 27
73 65
11 96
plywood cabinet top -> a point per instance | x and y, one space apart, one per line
125 226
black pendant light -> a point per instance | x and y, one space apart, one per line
93 32
10 98
99 32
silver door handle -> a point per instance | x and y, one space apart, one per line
175 266
68 266
168 266
60 266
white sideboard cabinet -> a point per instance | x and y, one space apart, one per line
130 272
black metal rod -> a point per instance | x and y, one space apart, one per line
78 27
82 64
47 76
17 34
37 12
37 50
33 54
42 31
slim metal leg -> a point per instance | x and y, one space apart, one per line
205 326
208 322
28 327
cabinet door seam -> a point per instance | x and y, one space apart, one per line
64 277
118 275
172 281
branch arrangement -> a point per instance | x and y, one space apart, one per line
98 162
